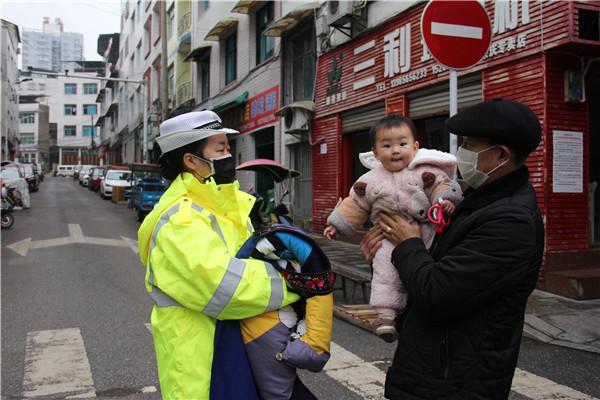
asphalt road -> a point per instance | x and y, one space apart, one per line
92 295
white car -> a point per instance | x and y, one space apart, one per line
115 177
84 175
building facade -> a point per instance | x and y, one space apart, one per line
542 54
34 132
9 106
72 112
139 59
52 49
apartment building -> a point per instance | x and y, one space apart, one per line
34 138
139 59
51 48
9 109
72 110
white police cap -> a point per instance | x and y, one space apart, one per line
190 127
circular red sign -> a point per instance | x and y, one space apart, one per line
457 33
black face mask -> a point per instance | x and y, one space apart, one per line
222 169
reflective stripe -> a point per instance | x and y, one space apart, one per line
227 287
161 299
276 299
250 228
215 226
197 207
157 295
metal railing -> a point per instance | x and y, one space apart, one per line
184 92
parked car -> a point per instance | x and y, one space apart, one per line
96 175
31 177
64 170
148 186
84 174
115 177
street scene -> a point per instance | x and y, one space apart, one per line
358 199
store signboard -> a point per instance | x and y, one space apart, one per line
260 110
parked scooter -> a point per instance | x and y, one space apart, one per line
6 209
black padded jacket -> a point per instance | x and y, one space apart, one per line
459 337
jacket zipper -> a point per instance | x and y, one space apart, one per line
445 354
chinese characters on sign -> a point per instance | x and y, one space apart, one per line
260 110
395 47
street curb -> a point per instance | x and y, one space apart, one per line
534 332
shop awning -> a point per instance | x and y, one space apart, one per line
246 6
291 19
241 99
111 108
199 52
305 105
221 29
100 121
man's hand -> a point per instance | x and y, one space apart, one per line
397 229
330 232
371 242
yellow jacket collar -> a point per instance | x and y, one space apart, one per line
216 198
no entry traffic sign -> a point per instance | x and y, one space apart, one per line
457 33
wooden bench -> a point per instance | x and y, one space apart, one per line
357 276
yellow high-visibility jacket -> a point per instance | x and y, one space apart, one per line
187 244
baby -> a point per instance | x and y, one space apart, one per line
403 179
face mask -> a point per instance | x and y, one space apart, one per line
467 166
222 169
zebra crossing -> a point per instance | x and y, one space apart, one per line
57 366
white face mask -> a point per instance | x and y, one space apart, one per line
467 166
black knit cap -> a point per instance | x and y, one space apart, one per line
506 122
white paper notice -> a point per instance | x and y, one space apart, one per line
567 168
323 148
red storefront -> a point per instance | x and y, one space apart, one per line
541 52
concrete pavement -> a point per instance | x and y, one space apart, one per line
549 318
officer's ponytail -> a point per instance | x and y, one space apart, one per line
171 163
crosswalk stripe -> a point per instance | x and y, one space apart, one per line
56 363
538 388
361 377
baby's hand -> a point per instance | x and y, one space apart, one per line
330 232
447 206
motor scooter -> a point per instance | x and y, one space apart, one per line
6 210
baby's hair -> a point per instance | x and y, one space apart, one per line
390 121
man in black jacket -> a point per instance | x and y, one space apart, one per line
459 337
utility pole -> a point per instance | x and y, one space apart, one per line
164 92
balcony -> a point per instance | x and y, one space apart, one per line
184 92
184 24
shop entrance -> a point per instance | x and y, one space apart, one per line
594 124
432 133
264 142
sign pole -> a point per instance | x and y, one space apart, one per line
453 106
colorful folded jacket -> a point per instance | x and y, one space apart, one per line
296 336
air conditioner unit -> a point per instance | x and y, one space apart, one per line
339 12
296 120
322 27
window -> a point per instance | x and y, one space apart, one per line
203 5
231 58
26 138
148 36
171 79
156 22
27 117
89 109
299 66
89 130
170 21
70 109
70 130
90 88
70 88
204 73
264 44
